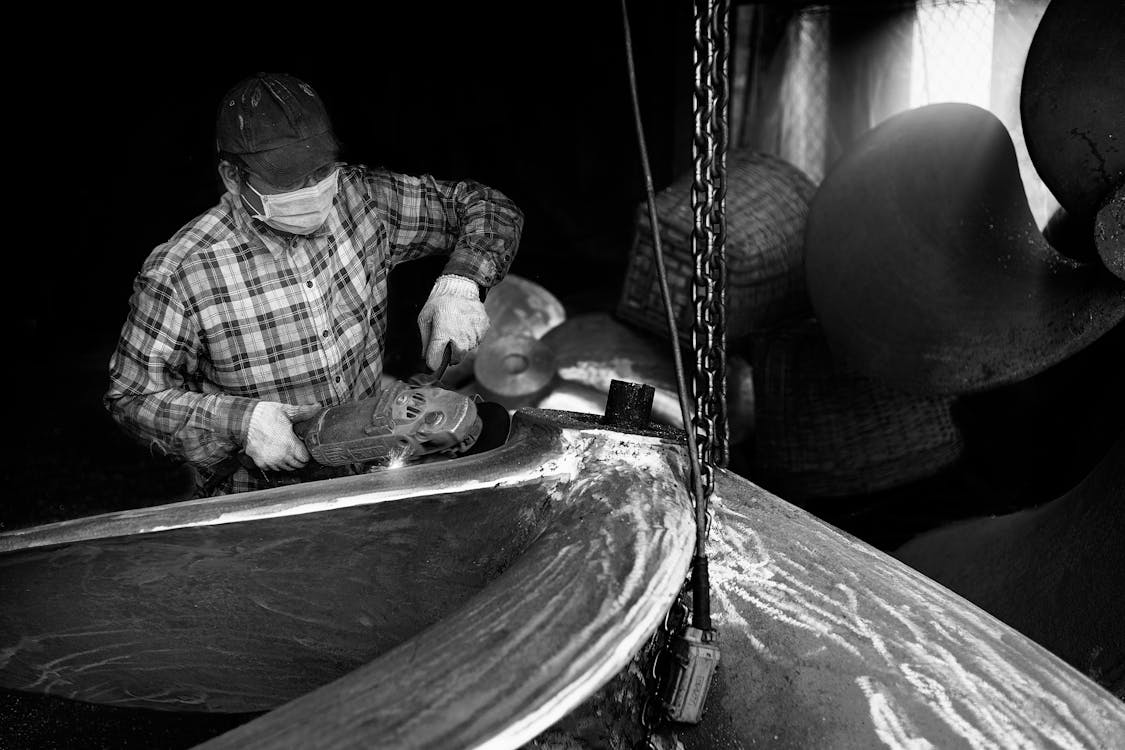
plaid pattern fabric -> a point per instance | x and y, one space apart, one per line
230 312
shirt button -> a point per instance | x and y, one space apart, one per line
325 334
308 284
337 378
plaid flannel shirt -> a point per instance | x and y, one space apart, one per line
230 312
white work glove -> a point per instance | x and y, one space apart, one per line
454 313
270 440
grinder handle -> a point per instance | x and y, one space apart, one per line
434 378
230 464
300 429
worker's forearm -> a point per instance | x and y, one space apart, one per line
489 235
478 226
199 428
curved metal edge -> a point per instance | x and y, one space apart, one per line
982 303
564 619
528 455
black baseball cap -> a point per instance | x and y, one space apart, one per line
277 125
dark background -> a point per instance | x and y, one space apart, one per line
119 148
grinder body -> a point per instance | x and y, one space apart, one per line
405 422
400 424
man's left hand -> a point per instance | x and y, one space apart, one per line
453 313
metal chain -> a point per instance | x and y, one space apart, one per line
718 319
708 197
708 239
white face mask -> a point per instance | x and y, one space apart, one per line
300 211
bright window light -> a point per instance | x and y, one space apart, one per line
952 60
804 102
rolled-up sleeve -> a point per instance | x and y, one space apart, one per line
152 373
478 226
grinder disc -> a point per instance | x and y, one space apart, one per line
496 423
514 370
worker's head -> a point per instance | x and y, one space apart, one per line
277 151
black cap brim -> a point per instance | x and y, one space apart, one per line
291 163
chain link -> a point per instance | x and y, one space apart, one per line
708 240
708 197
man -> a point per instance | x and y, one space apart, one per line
273 303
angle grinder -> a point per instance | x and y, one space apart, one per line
405 422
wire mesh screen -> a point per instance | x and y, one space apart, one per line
804 97
952 52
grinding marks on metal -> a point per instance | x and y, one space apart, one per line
593 349
927 270
827 641
452 604
831 643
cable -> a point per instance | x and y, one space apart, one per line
701 595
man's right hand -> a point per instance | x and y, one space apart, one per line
270 442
